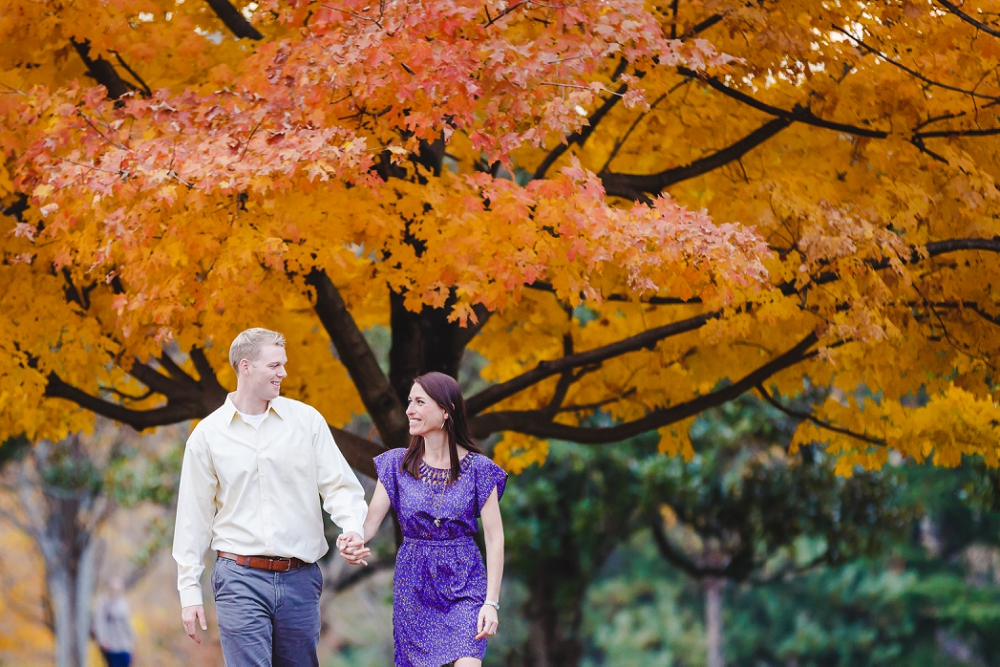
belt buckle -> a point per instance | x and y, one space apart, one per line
275 564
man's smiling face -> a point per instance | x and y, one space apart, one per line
264 375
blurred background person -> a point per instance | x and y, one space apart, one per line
113 626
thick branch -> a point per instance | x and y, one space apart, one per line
545 369
158 382
358 451
373 386
101 70
179 408
797 114
533 422
630 185
234 20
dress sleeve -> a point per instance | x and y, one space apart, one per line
488 476
387 469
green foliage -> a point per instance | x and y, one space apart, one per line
13 449
930 599
745 498
133 477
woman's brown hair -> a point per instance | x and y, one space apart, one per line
443 390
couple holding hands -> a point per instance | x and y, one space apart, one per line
256 476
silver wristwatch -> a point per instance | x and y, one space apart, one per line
495 605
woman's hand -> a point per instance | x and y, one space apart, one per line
488 622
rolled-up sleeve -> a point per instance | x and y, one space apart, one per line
342 493
195 512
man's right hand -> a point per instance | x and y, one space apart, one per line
191 616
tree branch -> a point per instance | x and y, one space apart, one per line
911 72
496 393
358 451
17 523
797 114
159 383
807 416
184 406
678 559
180 407
629 185
234 20
374 387
579 138
543 286
800 114
968 19
545 369
534 423
143 86
102 71
931 249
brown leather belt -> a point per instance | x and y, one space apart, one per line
269 563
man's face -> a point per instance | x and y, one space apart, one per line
264 375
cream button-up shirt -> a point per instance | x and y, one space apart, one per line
257 491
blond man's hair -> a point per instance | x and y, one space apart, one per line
248 344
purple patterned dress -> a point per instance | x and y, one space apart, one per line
440 580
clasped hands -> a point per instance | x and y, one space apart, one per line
352 548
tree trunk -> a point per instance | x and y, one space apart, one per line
553 631
86 580
70 586
421 342
713 620
62 593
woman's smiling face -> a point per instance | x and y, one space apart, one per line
423 413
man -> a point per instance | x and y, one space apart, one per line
251 482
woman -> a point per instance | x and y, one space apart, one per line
444 603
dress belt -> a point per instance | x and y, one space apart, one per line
269 563
450 542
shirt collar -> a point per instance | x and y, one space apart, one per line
229 408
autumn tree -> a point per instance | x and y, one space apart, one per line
643 210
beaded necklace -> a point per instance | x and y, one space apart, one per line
438 479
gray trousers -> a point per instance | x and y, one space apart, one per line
267 618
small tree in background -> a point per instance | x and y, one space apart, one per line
744 509
62 493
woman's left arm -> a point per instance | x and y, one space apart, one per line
493 532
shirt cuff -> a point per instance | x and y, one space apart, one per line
191 597
354 526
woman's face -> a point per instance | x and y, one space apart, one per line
424 414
